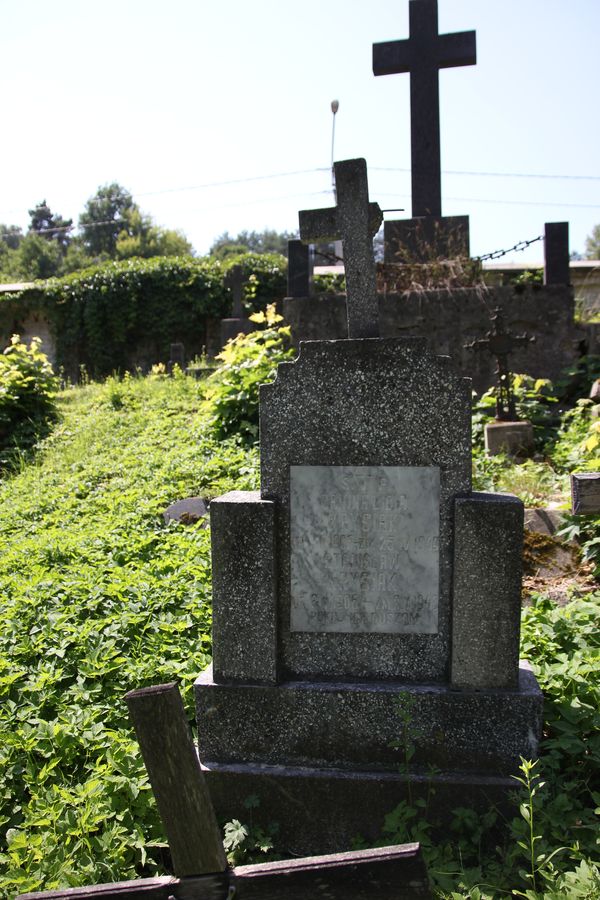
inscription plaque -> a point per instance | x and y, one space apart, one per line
364 548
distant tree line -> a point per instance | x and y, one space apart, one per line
111 227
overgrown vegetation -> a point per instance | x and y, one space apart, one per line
27 398
246 362
98 595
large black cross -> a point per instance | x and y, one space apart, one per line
423 55
354 221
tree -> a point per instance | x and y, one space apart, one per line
11 235
38 258
592 243
143 238
105 216
50 225
267 241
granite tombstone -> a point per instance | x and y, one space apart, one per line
365 595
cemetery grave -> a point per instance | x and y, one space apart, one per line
366 600
365 581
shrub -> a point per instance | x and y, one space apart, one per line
265 276
27 392
246 362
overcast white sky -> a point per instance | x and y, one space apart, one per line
175 101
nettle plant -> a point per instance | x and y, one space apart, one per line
28 389
247 361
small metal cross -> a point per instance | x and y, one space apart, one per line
354 221
500 343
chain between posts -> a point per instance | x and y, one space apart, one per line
522 245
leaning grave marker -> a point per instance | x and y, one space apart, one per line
363 585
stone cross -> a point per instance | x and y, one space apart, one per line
354 221
423 55
500 344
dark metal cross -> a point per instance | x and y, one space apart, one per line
500 344
354 221
423 55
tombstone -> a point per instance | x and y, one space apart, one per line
365 598
299 269
176 357
556 253
507 434
585 493
237 323
423 55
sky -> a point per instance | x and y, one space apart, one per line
217 116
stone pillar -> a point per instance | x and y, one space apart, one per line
556 253
486 606
244 589
298 280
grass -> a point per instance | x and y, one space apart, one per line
99 596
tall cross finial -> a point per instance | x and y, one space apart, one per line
423 55
354 221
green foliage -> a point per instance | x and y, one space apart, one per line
107 310
250 843
27 396
37 258
529 276
49 225
106 214
535 401
247 361
592 243
258 242
265 276
98 596
329 284
549 849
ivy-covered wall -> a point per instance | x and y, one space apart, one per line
121 315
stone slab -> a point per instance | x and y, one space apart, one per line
426 238
364 548
361 403
324 811
513 438
543 521
358 726
486 613
585 493
189 510
244 588
230 328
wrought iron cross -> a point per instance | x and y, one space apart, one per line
354 221
423 55
500 344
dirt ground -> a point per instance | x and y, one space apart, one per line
553 567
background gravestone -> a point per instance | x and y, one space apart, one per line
365 597
427 235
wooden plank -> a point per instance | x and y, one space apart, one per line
206 887
387 873
174 770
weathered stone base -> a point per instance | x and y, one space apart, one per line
364 727
513 438
230 328
325 810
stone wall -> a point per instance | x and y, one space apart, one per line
449 320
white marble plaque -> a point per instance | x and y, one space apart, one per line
364 548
